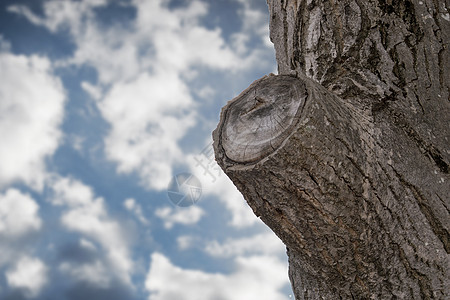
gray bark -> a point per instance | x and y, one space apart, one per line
345 154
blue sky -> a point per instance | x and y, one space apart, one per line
101 104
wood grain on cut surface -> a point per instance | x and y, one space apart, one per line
259 119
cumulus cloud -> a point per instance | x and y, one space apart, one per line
143 92
179 40
31 111
28 274
256 277
186 216
59 14
18 214
148 116
18 219
87 215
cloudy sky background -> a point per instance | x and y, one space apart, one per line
101 103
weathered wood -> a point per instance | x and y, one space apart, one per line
347 159
261 117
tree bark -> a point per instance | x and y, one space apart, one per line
345 154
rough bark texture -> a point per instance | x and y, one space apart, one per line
356 179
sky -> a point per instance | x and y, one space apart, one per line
102 104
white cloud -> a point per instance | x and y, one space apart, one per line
180 41
29 274
186 215
88 215
256 277
31 111
131 205
144 93
71 193
59 14
18 218
216 183
18 214
254 23
241 214
144 70
148 117
159 38
266 243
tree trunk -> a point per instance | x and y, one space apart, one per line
345 154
